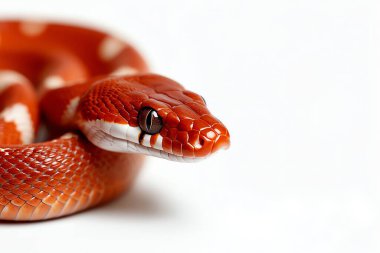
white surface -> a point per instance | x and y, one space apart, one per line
297 83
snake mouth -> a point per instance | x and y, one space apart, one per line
108 137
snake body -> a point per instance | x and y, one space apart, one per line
104 111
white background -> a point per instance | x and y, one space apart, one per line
296 82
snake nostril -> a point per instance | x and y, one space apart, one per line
199 143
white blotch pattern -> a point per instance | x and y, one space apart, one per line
71 108
158 144
146 140
32 28
124 70
109 48
19 114
9 78
53 82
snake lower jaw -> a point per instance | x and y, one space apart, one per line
106 141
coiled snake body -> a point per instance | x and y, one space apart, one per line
104 111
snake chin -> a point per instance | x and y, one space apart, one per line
123 139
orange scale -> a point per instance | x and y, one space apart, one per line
185 125
13 171
72 186
87 191
59 175
69 206
60 187
193 137
76 195
167 144
56 208
10 212
200 124
7 176
54 165
35 165
18 202
193 95
182 137
26 196
70 173
53 182
25 187
51 155
172 133
13 160
42 195
59 158
185 112
18 192
63 198
188 150
51 172
164 132
153 140
3 200
19 157
49 200
7 187
171 120
177 148
20 176
47 188
65 161
15 181
25 212
10 196
220 129
41 211
44 178
209 119
33 191
7 165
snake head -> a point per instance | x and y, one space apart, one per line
150 114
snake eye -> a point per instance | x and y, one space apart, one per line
149 120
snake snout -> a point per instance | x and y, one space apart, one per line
211 140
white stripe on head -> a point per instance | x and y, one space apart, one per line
121 131
9 78
19 114
109 48
104 140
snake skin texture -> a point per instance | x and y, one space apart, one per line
66 176
89 89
